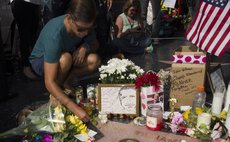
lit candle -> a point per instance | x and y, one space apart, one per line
217 101
227 122
204 118
227 98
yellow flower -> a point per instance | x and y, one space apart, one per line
185 114
223 113
198 110
79 123
73 119
82 129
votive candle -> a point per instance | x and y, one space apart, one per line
227 122
217 101
227 98
204 118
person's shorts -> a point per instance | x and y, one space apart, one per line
38 66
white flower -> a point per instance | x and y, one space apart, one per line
102 76
133 76
119 71
164 76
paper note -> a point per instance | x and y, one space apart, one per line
169 3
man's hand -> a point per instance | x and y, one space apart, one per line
79 55
82 114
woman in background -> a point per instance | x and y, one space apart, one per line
131 39
129 20
128 24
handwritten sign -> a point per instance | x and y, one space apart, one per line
186 77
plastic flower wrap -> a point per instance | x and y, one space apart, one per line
51 124
119 71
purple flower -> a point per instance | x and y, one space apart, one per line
177 119
47 138
174 128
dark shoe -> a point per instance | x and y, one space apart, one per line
8 97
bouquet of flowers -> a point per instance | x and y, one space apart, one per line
52 124
189 124
148 79
119 71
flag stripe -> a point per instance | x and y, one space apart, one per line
214 47
224 44
194 26
211 38
206 27
206 12
219 38
210 29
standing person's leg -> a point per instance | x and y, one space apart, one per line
27 20
103 22
5 93
144 10
156 7
3 81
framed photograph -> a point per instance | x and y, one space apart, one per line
118 99
216 78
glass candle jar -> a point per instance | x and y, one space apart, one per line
227 122
154 117
217 102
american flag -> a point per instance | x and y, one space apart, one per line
210 29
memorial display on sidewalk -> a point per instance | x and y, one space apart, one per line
55 123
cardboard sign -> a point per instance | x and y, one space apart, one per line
186 77
191 59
